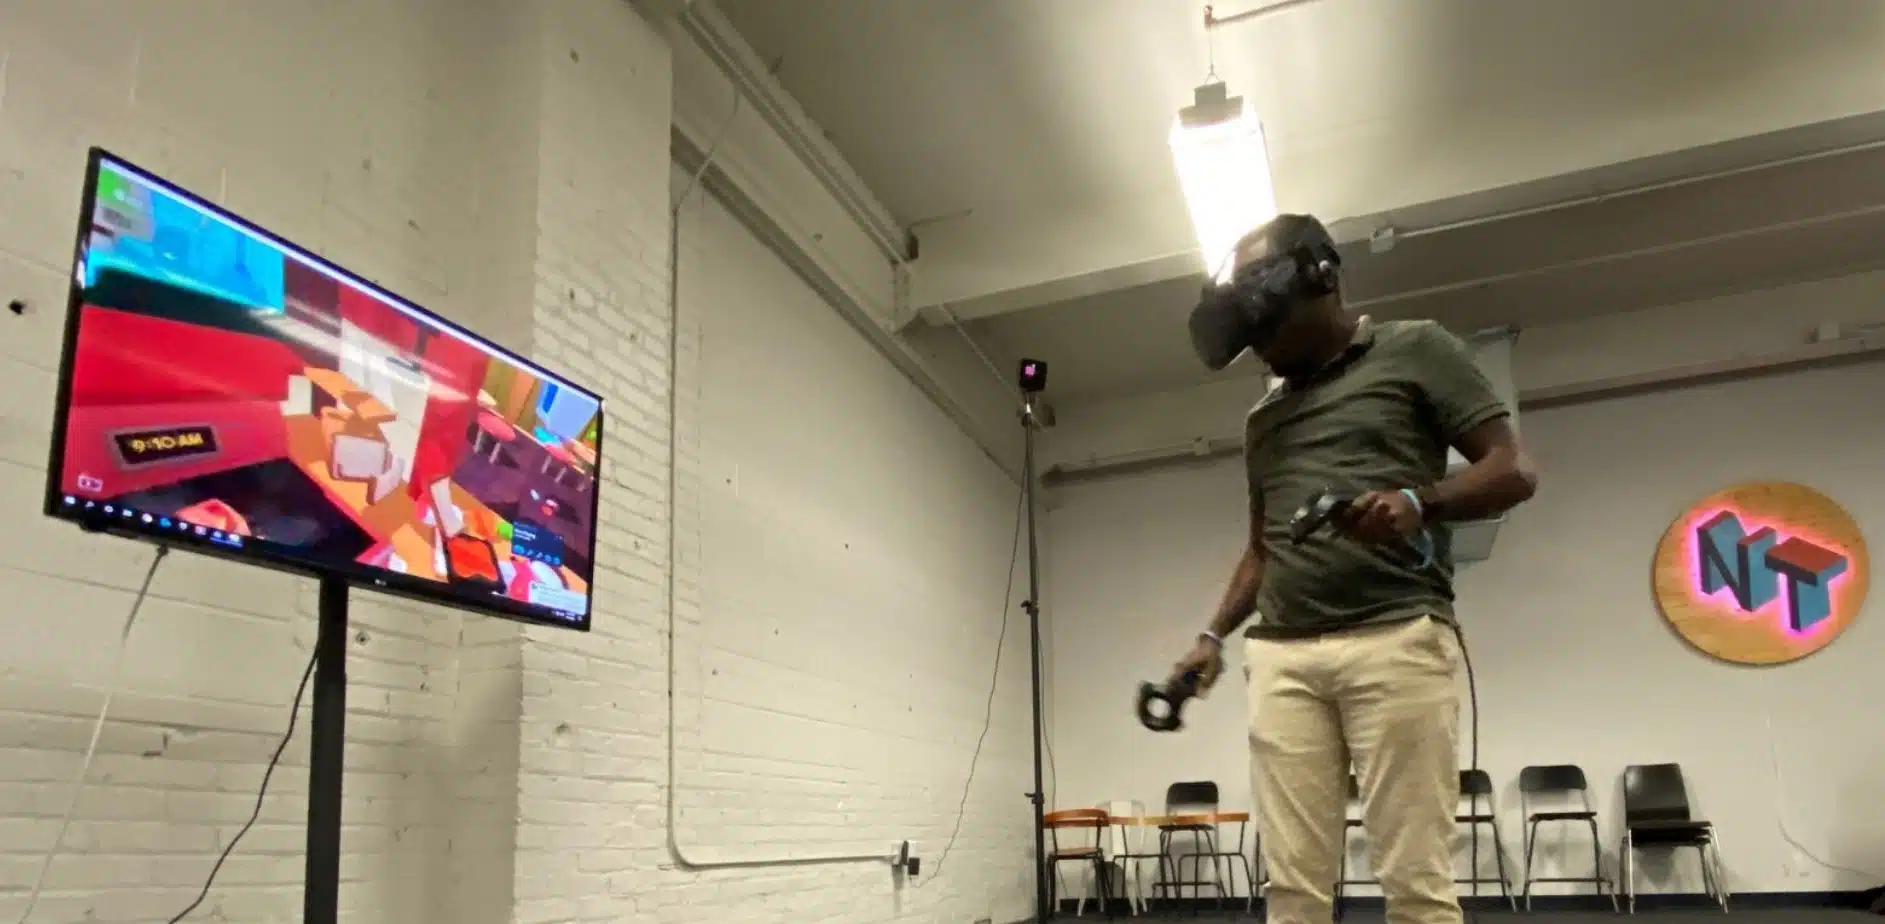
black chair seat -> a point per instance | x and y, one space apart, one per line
1666 833
1480 819
1667 824
1355 822
1561 816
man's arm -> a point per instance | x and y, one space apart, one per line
1206 658
1240 598
1499 476
1476 422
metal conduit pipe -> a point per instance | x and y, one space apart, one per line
676 850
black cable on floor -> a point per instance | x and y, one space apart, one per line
988 714
294 712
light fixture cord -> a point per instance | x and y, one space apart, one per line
1210 48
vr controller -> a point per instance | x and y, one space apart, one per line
1319 510
1316 513
1161 706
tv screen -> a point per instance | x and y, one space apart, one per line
226 391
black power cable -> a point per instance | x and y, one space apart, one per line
1472 698
294 712
988 714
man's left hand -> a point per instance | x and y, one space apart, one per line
1381 517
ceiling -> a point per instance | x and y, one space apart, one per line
1025 142
1805 220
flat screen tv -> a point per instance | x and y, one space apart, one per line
225 391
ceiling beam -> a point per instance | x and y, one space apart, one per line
1627 178
704 23
1083 285
661 12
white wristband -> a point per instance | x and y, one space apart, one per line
1213 636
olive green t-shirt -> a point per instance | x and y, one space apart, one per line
1380 418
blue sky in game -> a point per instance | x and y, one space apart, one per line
160 237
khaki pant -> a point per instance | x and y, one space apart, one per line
1386 699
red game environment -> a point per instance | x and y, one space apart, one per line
221 386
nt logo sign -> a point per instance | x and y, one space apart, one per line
1752 566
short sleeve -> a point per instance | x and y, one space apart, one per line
1461 395
1256 460
1254 465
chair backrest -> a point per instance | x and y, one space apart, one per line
1120 839
1555 778
1475 783
1654 792
1198 797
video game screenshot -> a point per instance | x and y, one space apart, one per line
229 390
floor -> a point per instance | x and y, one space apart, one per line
1749 916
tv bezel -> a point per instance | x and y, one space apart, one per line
352 573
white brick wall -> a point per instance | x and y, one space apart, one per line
357 128
591 712
851 549
482 156
837 625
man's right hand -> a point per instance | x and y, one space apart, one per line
1206 659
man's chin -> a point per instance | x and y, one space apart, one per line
1287 369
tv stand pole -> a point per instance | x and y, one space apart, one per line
327 746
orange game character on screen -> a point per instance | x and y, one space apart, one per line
214 514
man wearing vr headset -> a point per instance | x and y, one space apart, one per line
1354 658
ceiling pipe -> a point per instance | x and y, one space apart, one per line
1622 192
661 12
1214 21
1357 229
1601 259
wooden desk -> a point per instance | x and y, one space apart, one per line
1159 821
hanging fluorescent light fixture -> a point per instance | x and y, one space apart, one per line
1224 168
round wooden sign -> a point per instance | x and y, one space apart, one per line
1762 573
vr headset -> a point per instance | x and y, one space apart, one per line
1297 263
